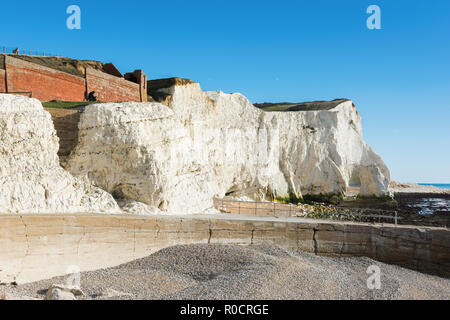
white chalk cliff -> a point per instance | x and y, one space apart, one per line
31 179
206 144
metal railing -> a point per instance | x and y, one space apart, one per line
257 207
394 213
28 52
265 208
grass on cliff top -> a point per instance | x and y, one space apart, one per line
67 104
275 107
64 64
303 106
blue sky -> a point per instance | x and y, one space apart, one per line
398 77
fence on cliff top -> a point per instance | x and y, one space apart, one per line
27 52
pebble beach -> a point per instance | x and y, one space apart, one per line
209 271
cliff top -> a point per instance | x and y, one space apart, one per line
153 87
167 83
300 106
69 65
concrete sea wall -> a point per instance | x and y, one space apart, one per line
34 247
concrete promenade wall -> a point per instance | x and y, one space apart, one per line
34 247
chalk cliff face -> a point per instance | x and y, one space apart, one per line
205 144
31 180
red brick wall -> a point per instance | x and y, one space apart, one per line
45 83
48 84
2 81
111 88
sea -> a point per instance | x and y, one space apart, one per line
435 203
439 185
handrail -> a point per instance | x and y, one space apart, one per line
290 204
291 209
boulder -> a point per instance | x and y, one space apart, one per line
62 292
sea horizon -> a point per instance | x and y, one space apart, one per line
438 185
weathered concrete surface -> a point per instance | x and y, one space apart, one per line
35 247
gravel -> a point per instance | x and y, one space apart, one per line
207 271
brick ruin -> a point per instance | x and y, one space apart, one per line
44 83
20 75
